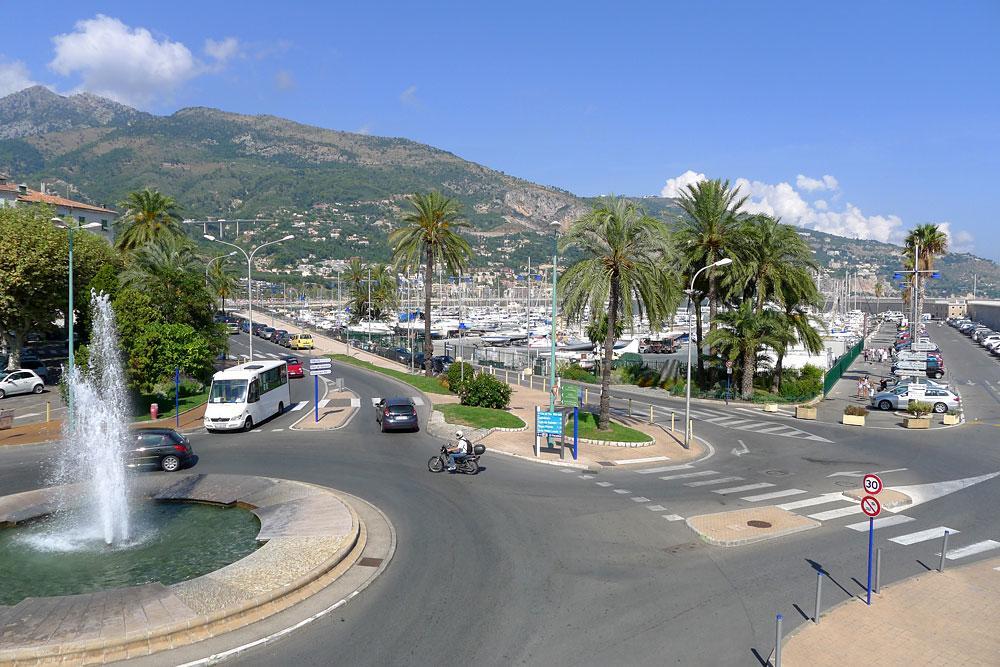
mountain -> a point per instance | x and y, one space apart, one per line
340 193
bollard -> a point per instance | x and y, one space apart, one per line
48 411
630 407
691 429
819 593
531 382
650 414
777 641
506 376
878 571
944 550
671 421
585 401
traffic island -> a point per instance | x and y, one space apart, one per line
738 527
335 411
313 536
887 498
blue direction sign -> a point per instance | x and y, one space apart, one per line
550 423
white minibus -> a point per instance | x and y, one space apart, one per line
247 394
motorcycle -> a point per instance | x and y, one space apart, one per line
469 465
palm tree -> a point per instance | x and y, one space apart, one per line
772 255
223 283
879 290
597 330
149 216
742 334
795 298
709 229
160 264
930 242
430 237
384 295
623 273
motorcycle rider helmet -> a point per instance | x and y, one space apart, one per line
458 434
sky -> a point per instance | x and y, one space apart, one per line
857 118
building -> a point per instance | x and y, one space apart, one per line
19 195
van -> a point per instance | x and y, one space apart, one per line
300 341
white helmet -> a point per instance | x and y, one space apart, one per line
458 434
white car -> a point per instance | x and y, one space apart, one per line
20 381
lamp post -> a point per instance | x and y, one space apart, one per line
249 276
687 386
552 333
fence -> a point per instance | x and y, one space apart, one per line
842 364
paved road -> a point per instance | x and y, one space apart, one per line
538 564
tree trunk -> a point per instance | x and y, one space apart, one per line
14 342
776 380
749 369
697 341
604 415
712 298
428 286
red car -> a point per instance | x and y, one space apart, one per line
294 367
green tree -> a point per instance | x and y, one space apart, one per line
796 298
772 254
597 330
709 229
622 274
149 216
930 242
429 238
222 282
742 334
384 295
161 348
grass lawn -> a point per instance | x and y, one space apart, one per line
421 382
167 407
478 417
617 433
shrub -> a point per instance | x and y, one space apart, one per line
626 360
485 391
856 410
919 409
456 372
578 373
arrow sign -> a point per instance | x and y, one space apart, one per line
741 450
319 363
320 371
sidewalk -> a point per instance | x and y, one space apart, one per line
946 618
39 432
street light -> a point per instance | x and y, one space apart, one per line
249 276
552 342
687 387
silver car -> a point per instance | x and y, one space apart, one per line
21 381
941 400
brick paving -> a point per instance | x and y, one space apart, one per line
947 618
730 529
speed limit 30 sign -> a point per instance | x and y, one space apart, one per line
870 506
872 484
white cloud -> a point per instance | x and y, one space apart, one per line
827 182
222 50
283 80
958 241
409 96
365 129
820 205
675 186
14 76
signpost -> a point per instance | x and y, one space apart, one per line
318 366
912 356
871 507
549 423
729 377
569 395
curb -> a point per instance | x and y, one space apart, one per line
294 426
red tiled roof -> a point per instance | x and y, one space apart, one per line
34 197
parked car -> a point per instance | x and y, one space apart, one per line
294 367
439 363
233 327
934 368
992 338
941 400
162 448
301 341
283 339
265 332
396 414
20 381
273 336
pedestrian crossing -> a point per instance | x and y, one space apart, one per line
741 423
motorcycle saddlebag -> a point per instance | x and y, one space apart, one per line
478 449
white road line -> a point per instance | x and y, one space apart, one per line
567 470
324 402
691 474
622 491
837 513
275 430
751 426
649 459
779 427
417 400
741 489
603 484
25 416
719 420
298 406
640 499
586 476
709 482
656 508
673 517
881 522
355 402
809 502
732 423
972 549
773 495
922 536
651 471
257 430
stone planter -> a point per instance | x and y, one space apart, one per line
854 420
949 420
917 422
805 412
770 407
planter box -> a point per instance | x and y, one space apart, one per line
854 420
803 412
949 420
770 407
917 422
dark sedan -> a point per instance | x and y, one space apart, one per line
161 448
396 414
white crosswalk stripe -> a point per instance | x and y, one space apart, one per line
922 535
741 489
603 484
417 400
775 429
298 406
837 513
686 475
586 476
881 522
640 499
773 494
710 482
673 517
809 502
729 420
971 549
652 471
656 508
622 491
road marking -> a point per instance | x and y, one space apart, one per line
972 549
722 421
922 536
417 400
741 489
673 517
921 493
323 403
25 416
650 471
709 482
809 502
603 484
275 430
837 513
734 422
656 508
640 499
257 430
355 402
741 450
622 491
691 474
881 522
298 406
773 495
774 429
269 355
650 459
586 477
567 470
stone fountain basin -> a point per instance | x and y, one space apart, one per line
308 531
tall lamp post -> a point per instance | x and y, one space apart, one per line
552 334
687 386
249 276
70 229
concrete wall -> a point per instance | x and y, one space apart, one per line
987 312
938 308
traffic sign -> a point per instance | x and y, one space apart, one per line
912 356
911 365
550 423
569 394
320 371
873 484
319 363
871 506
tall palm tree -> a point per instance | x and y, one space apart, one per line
223 283
709 229
931 243
771 255
879 290
430 237
159 264
384 295
796 296
149 216
742 334
623 273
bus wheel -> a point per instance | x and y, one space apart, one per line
281 407
248 424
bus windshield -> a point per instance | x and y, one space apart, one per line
228 391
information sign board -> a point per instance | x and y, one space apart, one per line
550 423
569 394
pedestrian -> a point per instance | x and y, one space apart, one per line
861 387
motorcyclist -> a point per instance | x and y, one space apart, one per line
461 449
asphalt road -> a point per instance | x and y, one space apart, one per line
532 564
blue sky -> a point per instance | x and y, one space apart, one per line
897 104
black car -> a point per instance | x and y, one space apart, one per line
273 336
396 414
161 448
282 338
440 363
